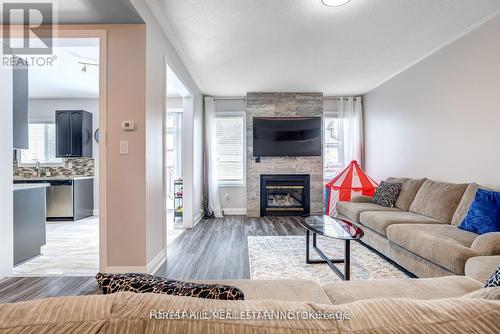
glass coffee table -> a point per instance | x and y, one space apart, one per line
334 228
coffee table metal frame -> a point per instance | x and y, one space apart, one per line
346 275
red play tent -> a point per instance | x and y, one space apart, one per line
351 182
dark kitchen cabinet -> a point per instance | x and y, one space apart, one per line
20 107
29 223
73 134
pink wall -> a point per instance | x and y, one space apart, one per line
127 173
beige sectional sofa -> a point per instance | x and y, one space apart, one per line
420 232
455 304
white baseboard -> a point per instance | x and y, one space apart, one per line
125 269
235 211
96 212
198 218
151 267
156 262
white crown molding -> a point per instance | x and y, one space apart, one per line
169 33
468 30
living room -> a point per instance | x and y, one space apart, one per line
335 157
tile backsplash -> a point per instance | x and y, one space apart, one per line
72 167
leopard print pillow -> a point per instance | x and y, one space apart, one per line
494 280
387 193
143 283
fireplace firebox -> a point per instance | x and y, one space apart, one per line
284 195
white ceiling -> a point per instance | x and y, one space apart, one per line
235 46
65 80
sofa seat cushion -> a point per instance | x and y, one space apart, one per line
444 245
380 221
438 200
291 290
352 210
344 292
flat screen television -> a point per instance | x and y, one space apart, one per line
294 136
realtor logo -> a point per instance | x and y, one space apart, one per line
36 19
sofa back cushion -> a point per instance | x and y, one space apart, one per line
466 202
408 191
438 200
157 313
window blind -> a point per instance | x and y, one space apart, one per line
230 154
332 146
42 145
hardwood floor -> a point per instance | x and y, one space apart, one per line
218 249
17 289
213 249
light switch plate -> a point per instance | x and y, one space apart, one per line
123 147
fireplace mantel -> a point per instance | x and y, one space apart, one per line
282 105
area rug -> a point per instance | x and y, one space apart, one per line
273 257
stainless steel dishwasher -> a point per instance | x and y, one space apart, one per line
60 199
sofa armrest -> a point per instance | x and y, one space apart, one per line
481 267
361 199
487 244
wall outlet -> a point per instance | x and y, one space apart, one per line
227 197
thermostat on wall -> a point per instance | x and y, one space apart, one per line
128 125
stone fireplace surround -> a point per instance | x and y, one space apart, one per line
282 105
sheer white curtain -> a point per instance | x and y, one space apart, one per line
350 114
211 159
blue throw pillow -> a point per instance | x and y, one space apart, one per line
484 213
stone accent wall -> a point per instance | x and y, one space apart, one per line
282 105
72 167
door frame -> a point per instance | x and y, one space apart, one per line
186 154
100 32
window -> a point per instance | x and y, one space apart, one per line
333 161
230 132
42 145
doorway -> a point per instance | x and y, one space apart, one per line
64 107
177 100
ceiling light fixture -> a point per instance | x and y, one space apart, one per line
334 3
86 65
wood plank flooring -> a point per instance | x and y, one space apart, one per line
218 249
213 249
17 289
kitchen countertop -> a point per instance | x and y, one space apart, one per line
24 186
49 178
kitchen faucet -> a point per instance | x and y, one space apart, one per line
37 168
